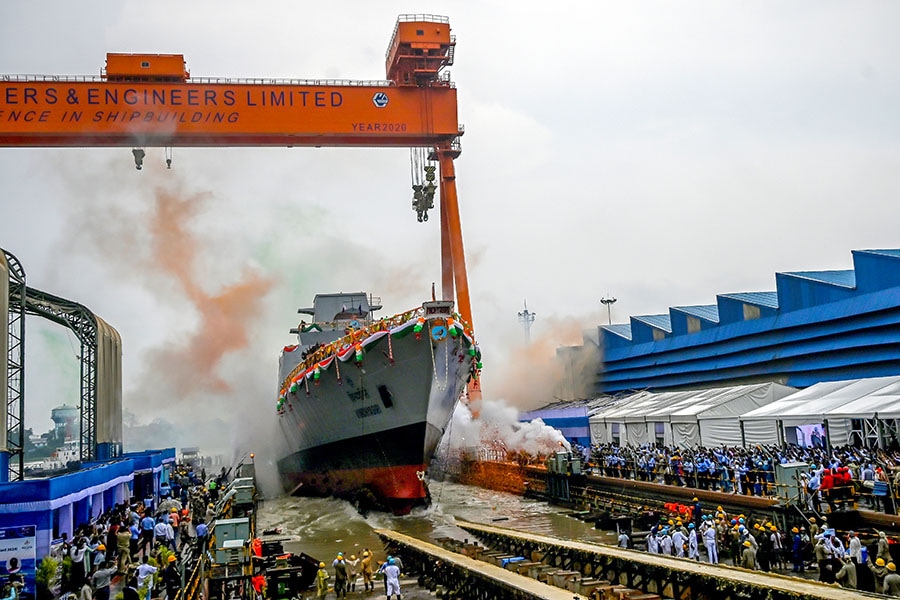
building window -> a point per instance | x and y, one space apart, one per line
751 312
693 324
658 334
660 429
614 433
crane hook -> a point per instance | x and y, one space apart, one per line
168 157
139 155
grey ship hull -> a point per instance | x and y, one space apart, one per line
373 426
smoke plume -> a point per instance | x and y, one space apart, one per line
187 298
497 432
192 364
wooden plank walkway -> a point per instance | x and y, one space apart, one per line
756 579
520 583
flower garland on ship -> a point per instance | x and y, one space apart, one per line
353 347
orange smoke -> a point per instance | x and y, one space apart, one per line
225 316
532 373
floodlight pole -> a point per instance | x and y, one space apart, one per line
608 302
527 318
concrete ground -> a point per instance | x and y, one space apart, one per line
408 589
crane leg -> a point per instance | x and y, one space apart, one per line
447 289
452 251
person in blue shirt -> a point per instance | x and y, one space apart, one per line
202 531
812 487
147 524
797 552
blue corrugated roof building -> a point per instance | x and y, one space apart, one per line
815 326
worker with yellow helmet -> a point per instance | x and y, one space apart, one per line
891 584
352 571
365 568
879 572
322 577
340 576
748 556
797 548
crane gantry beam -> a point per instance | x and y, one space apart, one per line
144 100
36 112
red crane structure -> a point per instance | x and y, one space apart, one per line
151 100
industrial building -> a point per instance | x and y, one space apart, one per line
35 510
815 327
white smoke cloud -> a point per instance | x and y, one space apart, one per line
497 429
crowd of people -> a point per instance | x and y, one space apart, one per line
751 470
759 544
348 572
139 545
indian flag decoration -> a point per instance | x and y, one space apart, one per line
356 344
419 326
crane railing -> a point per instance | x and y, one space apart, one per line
203 80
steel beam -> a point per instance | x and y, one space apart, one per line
83 324
15 370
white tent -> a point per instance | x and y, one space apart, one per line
608 422
832 404
711 419
707 417
883 403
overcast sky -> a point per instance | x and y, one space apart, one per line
660 152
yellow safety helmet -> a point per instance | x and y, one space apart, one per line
352 557
321 565
171 558
795 530
812 519
879 562
747 543
891 566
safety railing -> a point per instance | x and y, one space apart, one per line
413 18
203 81
192 588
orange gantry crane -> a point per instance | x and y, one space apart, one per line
150 100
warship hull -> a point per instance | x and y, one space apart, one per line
364 425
